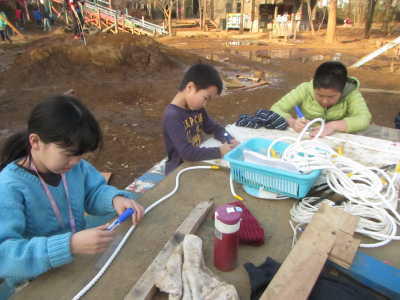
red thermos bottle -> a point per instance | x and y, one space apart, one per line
226 239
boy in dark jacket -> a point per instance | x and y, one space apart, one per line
185 119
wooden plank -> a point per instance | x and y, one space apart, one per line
307 257
348 222
367 90
144 288
329 232
346 245
296 281
344 250
339 219
344 226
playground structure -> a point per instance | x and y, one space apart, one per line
100 15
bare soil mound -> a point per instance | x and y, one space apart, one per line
109 52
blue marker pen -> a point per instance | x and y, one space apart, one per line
227 137
125 215
299 113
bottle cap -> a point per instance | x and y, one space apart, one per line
228 214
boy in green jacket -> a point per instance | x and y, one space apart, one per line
332 96
3 27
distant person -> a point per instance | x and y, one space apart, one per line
37 16
74 8
3 27
185 119
18 17
21 6
347 21
46 12
332 96
46 188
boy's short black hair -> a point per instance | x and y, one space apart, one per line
203 76
330 75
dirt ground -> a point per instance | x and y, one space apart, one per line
127 81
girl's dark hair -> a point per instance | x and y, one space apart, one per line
330 75
62 120
203 76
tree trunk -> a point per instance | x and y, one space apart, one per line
205 16
349 11
253 16
309 13
387 17
253 10
241 16
369 19
331 30
171 5
323 18
201 14
150 9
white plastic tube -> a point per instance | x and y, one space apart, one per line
131 229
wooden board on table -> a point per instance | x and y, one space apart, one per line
344 250
329 228
144 289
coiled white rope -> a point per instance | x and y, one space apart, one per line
371 192
131 229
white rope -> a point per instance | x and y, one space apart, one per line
371 192
131 229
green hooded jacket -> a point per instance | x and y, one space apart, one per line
3 21
351 107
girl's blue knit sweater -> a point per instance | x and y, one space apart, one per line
31 239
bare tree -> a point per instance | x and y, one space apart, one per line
331 30
310 16
202 14
389 16
241 16
166 6
369 19
358 7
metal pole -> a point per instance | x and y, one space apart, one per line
374 54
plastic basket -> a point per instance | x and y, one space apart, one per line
270 179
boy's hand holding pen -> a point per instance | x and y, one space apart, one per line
229 144
299 123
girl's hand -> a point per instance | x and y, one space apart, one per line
91 241
121 203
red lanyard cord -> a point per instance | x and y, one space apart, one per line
53 203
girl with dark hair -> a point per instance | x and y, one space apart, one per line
46 187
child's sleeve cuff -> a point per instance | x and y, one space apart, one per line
59 249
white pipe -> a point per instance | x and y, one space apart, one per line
131 229
374 54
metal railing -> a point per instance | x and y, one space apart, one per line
102 7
